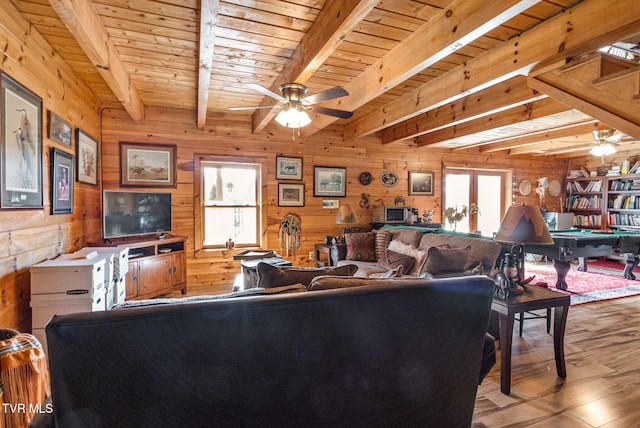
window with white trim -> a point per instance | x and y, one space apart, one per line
230 208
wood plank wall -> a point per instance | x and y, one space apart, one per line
31 236
228 134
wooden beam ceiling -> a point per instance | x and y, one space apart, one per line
208 18
452 28
83 22
516 56
328 30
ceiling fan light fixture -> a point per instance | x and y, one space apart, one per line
293 116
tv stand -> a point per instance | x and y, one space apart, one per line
156 265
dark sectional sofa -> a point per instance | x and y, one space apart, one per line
393 352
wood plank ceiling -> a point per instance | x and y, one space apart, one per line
452 74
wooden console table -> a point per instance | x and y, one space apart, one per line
533 298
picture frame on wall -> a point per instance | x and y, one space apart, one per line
421 183
147 165
290 195
60 130
21 146
87 155
61 182
329 181
288 168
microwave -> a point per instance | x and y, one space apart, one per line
392 214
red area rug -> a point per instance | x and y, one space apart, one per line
587 286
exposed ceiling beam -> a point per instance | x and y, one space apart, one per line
522 113
208 18
85 24
333 23
454 27
574 32
503 96
526 143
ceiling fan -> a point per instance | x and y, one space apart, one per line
604 143
295 103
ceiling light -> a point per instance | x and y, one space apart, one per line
603 147
293 116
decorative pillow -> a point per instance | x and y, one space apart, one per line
270 276
361 246
392 259
419 256
331 282
445 259
382 242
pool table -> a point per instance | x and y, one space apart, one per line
579 244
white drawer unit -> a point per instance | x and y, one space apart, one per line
64 286
60 275
120 258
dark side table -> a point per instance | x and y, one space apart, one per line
532 299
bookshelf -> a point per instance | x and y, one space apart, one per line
623 202
585 200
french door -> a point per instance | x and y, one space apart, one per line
485 188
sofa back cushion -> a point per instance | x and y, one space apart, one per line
482 250
361 246
277 276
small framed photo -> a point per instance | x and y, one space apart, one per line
421 183
60 130
288 168
61 182
21 146
86 158
329 181
330 203
147 165
290 195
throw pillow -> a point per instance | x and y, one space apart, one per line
382 242
446 259
419 256
361 246
331 282
270 276
391 260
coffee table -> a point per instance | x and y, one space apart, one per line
532 299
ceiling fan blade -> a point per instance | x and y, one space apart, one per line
342 114
265 91
249 107
329 94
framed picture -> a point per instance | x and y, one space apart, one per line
147 165
21 151
60 130
61 182
288 168
86 158
330 203
421 183
290 195
329 181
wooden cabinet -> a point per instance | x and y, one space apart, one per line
156 266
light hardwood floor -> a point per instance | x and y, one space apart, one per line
602 388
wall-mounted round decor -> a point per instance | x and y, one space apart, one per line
389 178
365 178
525 187
554 188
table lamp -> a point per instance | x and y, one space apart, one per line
520 226
346 215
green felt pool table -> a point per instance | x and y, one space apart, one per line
580 244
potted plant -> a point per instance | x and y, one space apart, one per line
453 216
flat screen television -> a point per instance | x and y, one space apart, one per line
128 213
